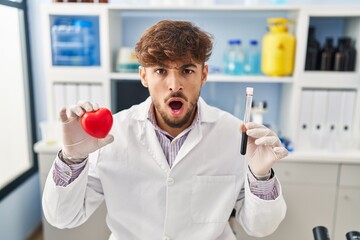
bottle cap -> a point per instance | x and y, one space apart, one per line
253 42
234 41
249 91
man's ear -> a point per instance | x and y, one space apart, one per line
142 72
204 74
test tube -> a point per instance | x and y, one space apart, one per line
248 103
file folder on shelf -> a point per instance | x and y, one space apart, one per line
332 126
67 94
59 98
319 110
303 139
70 94
346 138
83 92
96 94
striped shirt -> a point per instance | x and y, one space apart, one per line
64 174
171 145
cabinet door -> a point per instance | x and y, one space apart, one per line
310 192
348 201
348 212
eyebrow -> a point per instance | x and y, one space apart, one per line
188 65
181 67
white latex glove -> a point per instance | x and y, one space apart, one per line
263 149
77 144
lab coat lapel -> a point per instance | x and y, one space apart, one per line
147 135
150 141
208 115
194 137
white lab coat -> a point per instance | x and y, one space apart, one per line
146 199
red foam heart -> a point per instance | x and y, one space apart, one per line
97 123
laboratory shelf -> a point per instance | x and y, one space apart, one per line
215 78
248 78
338 80
345 157
210 7
90 74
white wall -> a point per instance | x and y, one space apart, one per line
21 211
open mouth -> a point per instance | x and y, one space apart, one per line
176 106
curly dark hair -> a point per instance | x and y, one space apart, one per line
170 40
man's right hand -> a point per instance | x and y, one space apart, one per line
77 144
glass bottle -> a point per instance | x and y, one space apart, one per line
327 55
351 55
312 52
234 58
339 56
252 59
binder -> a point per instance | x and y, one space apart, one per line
59 98
318 121
305 115
332 126
346 138
70 94
83 92
96 94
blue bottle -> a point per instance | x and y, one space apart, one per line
252 59
234 58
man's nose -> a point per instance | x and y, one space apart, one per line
174 82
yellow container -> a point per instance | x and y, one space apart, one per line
278 49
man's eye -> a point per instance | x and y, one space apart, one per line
160 71
188 71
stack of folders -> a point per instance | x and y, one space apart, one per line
326 120
67 94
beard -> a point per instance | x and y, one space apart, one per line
177 122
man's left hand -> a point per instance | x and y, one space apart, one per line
263 148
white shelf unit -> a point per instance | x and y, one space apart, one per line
113 20
308 175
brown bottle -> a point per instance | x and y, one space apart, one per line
312 52
345 55
339 63
351 51
327 56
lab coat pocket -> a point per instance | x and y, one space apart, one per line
212 199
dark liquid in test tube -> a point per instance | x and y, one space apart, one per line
248 103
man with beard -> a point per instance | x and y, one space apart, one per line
171 166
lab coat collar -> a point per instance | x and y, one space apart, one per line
147 134
206 112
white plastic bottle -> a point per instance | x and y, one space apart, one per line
234 58
252 59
